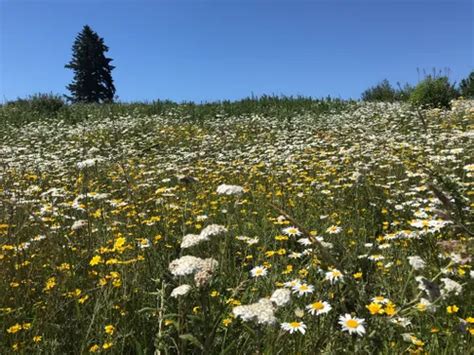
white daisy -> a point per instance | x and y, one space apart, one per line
333 230
352 324
292 231
319 307
258 271
294 327
303 289
334 275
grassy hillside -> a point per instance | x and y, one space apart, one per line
298 226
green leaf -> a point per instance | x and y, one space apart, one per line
192 339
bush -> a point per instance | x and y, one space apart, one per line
466 87
383 91
44 104
434 92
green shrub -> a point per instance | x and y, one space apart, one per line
466 87
44 104
383 91
433 92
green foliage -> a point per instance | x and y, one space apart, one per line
40 104
466 87
92 70
282 107
434 92
385 92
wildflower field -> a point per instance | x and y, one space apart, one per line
348 230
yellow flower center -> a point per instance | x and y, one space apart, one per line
352 323
318 305
295 324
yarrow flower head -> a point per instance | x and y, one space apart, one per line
180 291
416 262
280 296
261 312
352 324
86 163
188 265
212 230
230 189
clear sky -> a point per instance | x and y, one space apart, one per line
209 50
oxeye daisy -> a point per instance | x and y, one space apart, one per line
352 324
380 299
333 230
292 283
303 289
334 275
258 271
294 327
318 308
291 231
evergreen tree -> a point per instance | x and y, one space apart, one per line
92 70
466 87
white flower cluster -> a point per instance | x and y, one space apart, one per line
262 312
189 265
180 291
230 189
212 230
86 163
280 296
416 262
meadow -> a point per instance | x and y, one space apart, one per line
274 228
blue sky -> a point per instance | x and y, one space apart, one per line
228 49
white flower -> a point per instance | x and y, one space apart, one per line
291 231
258 271
380 299
401 321
144 243
79 224
188 264
318 307
86 163
416 262
303 289
334 275
180 291
304 241
229 189
294 327
213 230
352 324
262 312
280 296
190 240
333 230
450 286
295 255
376 257
292 283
